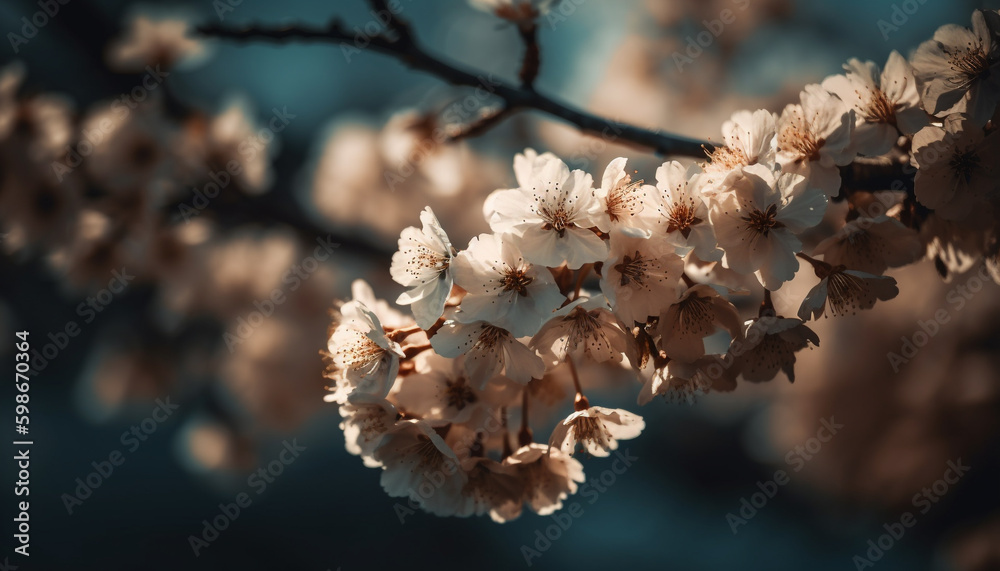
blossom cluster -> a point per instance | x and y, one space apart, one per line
639 276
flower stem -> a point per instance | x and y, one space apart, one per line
506 432
687 280
580 402
434 328
398 335
821 268
524 437
532 55
411 351
766 306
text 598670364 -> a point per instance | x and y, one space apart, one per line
21 368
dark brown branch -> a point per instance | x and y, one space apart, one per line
393 21
405 48
532 55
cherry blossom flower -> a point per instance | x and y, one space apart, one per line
959 69
489 351
750 138
872 245
756 224
423 263
955 247
206 444
210 144
769 346
992 261
366 419
442 392
130 155
153 42
684 325
681 213
549 474
814 138
551 213
390 317
504 289
417 463
640 276
885 103
597 429
622 198
35 128
683 382
273 373
584 328
40 209
92 253
492 487
364 359
526 166
411 143
957 166
520 12
845 291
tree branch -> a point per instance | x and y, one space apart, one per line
488 119
405 48
532 60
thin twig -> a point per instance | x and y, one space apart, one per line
406 49
485 122
532 60
507 451
580 402
524 437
